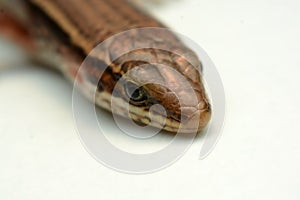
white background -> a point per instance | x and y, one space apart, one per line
255 46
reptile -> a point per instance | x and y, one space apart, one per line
64 33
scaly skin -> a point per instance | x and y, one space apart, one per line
63 33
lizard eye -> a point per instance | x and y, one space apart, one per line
134 92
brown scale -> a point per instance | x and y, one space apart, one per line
72 17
